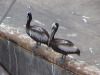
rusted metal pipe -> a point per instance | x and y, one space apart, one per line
24 41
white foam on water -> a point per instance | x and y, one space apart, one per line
24 26
84 18
37 21
28 6
61 27
91 50
8 17
72 35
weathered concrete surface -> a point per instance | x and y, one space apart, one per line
24 41
19 62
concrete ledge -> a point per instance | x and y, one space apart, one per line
24 41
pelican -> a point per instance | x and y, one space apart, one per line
37 33
62 46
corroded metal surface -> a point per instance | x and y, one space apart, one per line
24 41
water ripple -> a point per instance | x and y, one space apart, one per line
72 35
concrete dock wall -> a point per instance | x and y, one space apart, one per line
18 55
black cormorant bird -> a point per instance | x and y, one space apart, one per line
62 46
37 33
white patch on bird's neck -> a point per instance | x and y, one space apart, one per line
53 25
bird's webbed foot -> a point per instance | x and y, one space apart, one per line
63 57
37 44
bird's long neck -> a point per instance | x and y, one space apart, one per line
29 19
51 37
53 34
28 23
